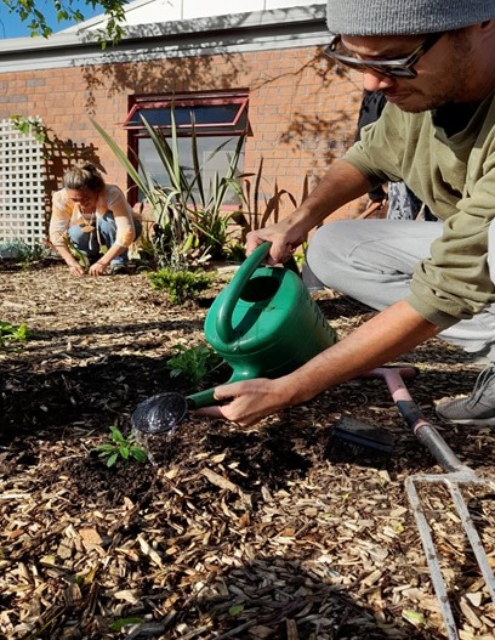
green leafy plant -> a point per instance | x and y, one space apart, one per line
193 363
68 10
78 255
120 449
258 206
25 253
236 609
179 285
11 333
31 125
192 225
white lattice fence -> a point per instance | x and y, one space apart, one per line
22 196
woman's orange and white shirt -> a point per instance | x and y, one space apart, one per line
66 213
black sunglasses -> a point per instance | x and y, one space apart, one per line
393 68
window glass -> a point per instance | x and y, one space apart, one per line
212 162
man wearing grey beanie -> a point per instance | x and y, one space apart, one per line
435 63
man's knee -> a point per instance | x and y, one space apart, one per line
327 249
330 240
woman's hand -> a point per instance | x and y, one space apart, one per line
97 269
250 400
77 270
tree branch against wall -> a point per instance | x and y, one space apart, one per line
35 19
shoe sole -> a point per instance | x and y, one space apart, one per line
487 422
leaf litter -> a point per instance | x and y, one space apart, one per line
253 534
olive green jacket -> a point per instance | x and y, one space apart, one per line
455 177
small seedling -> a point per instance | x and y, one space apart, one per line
11 333
120 449
193 363
78 255
180 285
120 623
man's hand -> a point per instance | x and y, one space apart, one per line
250 400
283 239
390 333
339 186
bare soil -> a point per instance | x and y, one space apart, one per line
274 532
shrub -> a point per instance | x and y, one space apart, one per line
180 285
193 363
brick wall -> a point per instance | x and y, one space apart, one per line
302 113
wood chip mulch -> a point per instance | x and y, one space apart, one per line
275 532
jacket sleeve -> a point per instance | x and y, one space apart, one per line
455 178
60 218
123 216
455 282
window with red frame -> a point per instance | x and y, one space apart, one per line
220 118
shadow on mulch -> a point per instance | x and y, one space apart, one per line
13 265
42 407
94 396
139 328
288 598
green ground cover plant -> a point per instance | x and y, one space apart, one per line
193 363
180 285
120 449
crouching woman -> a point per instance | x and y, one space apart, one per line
91 215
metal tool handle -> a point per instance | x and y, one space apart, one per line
412 414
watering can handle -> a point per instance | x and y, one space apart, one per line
248 267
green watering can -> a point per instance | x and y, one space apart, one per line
263 324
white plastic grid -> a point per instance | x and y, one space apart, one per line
22 193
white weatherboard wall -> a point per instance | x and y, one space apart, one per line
22 197
142 12
147 11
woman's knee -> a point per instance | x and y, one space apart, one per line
78 236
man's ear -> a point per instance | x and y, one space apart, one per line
487 25
484 32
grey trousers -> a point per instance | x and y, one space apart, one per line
373 260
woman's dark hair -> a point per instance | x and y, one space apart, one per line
83 176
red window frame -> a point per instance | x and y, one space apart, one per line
141 103
138 103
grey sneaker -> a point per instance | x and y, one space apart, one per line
478 408
118 268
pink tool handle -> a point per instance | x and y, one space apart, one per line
410 411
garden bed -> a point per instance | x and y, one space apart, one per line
231 533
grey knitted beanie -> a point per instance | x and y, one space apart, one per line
401 17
